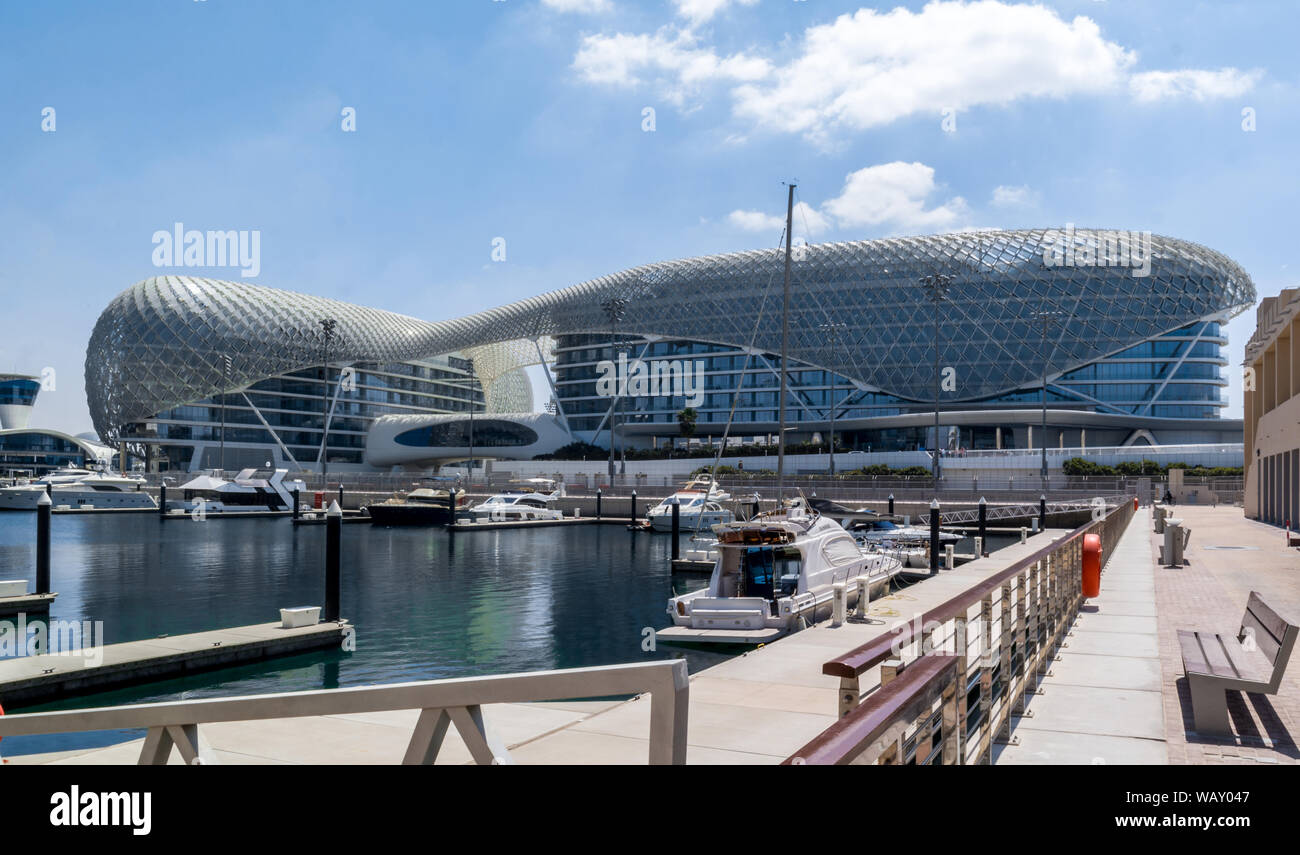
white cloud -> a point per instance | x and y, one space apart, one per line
807 220
700 11
1192 83
671 59
869 68
1012 197
889 194
894 194
578 5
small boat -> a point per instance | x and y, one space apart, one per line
774 574
424 506
247 493
699 507
79 488
531 499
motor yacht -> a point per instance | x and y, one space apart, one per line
83 489
532 499
423 506
246 493
700 507
774 575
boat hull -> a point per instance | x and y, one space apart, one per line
26 500
413 515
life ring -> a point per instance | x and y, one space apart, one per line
1091 575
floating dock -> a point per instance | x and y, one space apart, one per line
492 525
686 565
49 676
82 511
26 603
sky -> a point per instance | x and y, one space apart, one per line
385 151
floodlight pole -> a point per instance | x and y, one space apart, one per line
1047 318
937 284
327 327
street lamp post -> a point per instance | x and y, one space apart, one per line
937 285
471 420
1047 318
328 325
225 364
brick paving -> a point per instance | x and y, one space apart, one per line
1209 592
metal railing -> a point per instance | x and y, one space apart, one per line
951 680
442 703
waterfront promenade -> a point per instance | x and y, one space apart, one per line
1116 695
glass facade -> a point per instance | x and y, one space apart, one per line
38 452
18 390
1177 375
294 406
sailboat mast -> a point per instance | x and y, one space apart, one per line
785 347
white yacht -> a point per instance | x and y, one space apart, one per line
528 500
247 493
83 489
701 507
774 574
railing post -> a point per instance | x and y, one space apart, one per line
961 647
851 692
984 751
1006 615
1022 639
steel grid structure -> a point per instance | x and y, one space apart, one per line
161 343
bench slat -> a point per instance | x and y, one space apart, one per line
1216 655
1267 617
1193 658
1267 643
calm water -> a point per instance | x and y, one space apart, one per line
426 603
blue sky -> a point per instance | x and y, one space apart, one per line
524 120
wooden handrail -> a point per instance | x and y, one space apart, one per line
872 721
852 664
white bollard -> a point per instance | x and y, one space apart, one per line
1034 524
837 604
864 596
949 560
979 547
1024 535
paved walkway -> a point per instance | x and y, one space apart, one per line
757 708
1228 557
1101 703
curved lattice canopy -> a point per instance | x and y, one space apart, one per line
161 342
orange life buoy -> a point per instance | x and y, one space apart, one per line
1091 565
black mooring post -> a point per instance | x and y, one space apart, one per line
598 498
340 497
934 537
984 524
1042 513
677 528
162 500
333 545
451 506
633 515
297 504
891 504
43 508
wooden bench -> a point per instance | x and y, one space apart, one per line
1253 661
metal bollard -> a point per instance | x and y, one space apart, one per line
891 504
333 545
1042 513
864 597
297 503
934 537
43 509
837 604
451 506
632 515
677 529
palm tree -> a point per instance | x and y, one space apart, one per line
686 422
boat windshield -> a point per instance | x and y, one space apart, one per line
770 572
